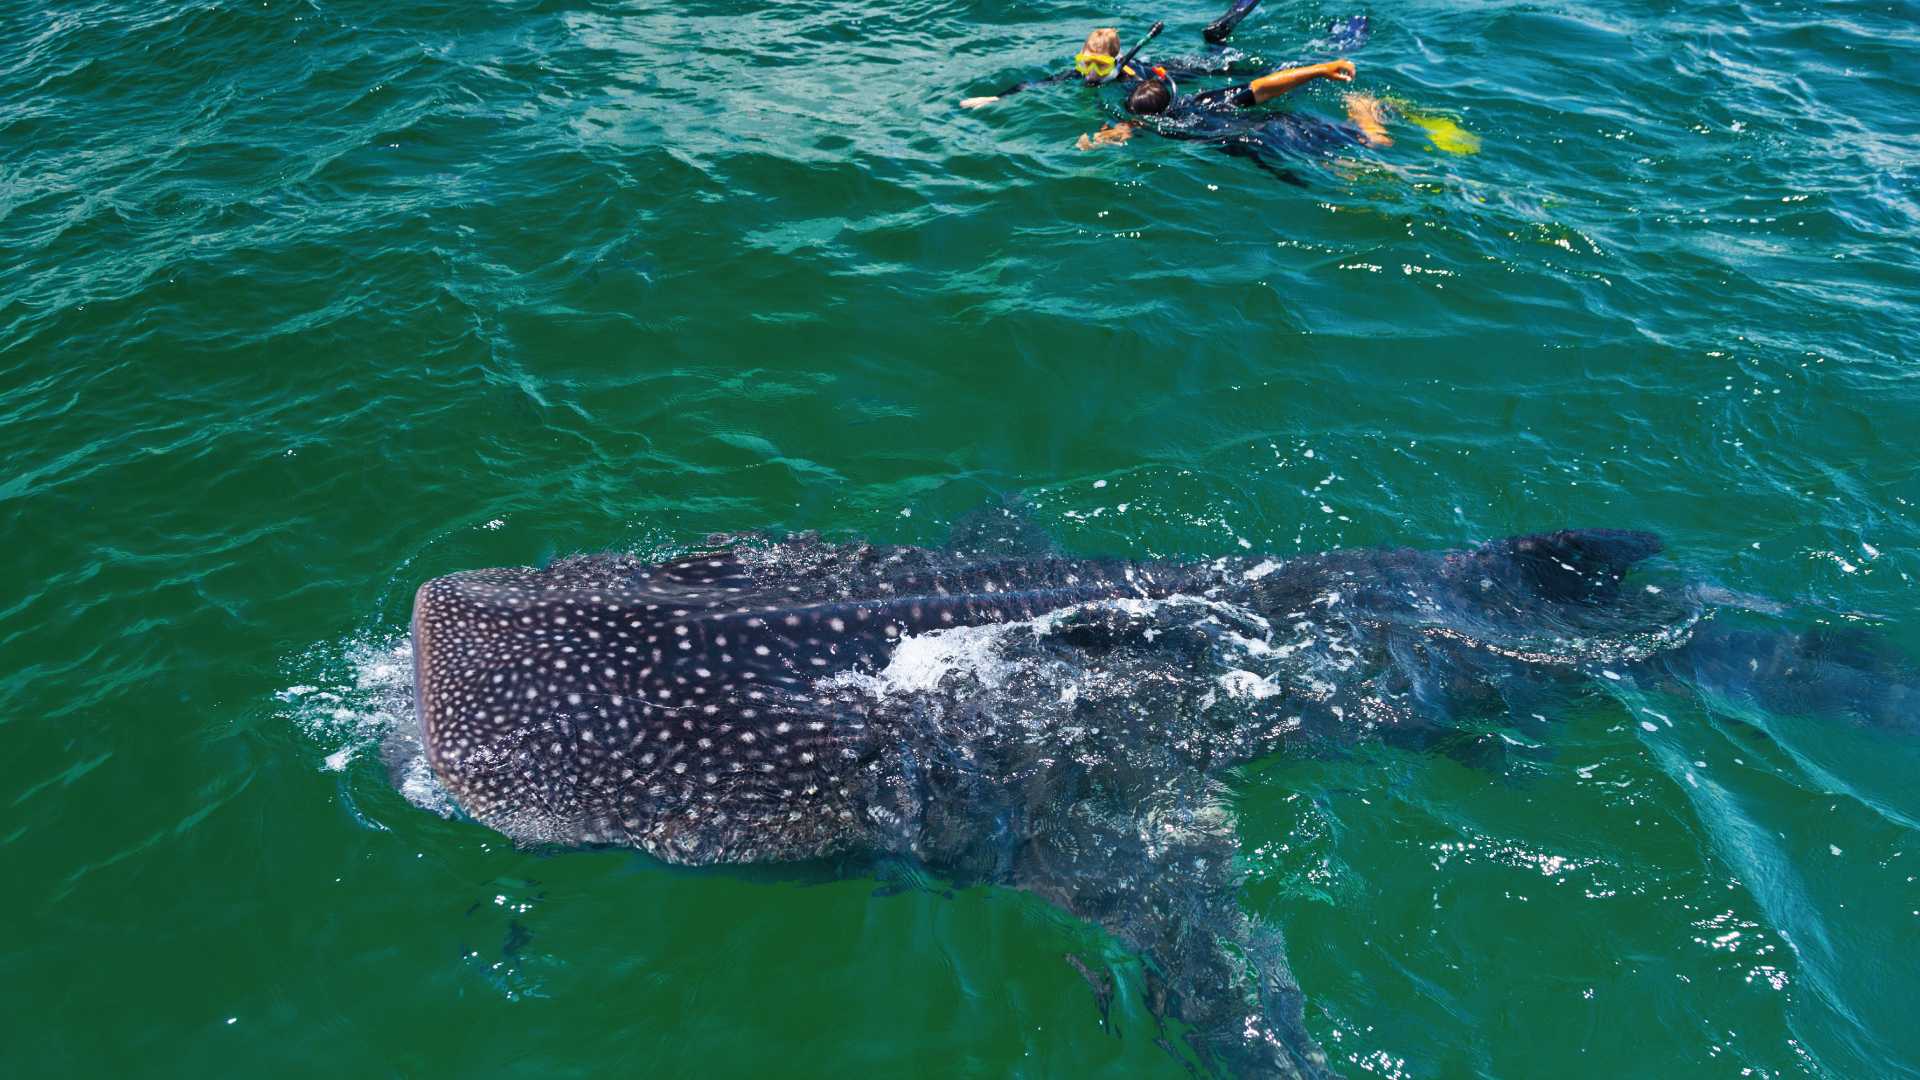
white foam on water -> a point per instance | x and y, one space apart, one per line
356 688
353 696
1261 569
1243 685
921 661
419 786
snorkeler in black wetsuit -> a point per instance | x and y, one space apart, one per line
1098 56
1219 117
1208 116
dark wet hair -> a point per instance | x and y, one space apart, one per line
1150 96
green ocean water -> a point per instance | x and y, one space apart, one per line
302 303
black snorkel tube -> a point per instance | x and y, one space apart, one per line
1120 65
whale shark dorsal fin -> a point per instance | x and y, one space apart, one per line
1569 565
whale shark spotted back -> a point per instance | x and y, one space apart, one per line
576 703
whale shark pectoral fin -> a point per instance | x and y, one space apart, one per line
1102 984
1572 565
1171 894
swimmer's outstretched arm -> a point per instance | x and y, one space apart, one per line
1267 87
978 102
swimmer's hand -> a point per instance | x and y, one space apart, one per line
1286 80
1111 135
977 102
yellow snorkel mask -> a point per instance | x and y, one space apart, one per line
1093 65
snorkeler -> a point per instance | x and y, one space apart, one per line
1100 55
1218 116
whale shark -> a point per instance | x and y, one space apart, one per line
1060 726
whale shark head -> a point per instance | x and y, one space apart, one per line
602 700
489 679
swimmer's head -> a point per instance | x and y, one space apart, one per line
1105 40
1148 97
1095 61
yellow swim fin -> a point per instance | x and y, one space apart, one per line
1444 132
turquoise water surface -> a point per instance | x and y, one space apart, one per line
305 302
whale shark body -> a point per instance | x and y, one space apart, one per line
1053 725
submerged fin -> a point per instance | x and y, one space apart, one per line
1443 131
1171 893
1102 984
1246 148
1845 673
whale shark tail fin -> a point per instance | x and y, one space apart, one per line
1570 566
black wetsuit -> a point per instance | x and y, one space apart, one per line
1219 117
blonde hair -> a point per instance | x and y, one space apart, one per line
1104 40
